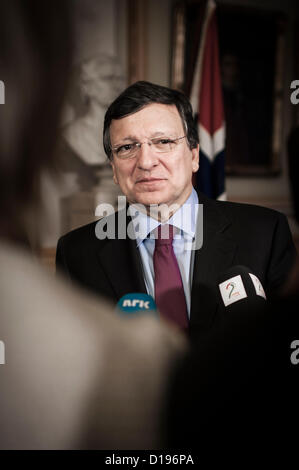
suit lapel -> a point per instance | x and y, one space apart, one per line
215 256
121 261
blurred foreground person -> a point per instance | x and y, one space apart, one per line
75 375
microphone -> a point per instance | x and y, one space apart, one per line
241 329
238 286
236 374
135 304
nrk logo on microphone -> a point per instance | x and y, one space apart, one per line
135 304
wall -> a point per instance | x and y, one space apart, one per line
102 27
68 201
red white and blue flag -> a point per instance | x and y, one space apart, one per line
207 102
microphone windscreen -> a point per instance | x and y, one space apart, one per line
239 285
136 304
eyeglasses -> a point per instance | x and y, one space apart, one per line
160 145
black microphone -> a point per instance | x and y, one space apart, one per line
222 380
238 286
235 392
242 305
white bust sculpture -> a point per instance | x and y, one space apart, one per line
100 81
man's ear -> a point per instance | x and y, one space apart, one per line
114 172
195 159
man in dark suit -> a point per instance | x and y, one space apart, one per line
152 142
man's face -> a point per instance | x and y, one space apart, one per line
151 177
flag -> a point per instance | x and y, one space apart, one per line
207 102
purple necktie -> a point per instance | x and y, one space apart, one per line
169 291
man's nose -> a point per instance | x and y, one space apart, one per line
146 157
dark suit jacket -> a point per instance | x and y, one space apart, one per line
233 234
236 392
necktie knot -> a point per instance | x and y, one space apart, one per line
164 235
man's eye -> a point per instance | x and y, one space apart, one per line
164 141
125 148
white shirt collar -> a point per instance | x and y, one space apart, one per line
184 219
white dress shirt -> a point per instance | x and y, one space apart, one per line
184 219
